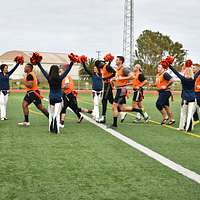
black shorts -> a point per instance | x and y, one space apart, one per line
32 97
163 98
107 92
138 95
120 97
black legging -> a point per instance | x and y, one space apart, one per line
107 96
70 101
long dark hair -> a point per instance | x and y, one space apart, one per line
54 76
2 67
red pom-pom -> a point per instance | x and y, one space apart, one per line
83 59
36 58
19 60
169 60
73 58
75 93
188 63
164 64
109 57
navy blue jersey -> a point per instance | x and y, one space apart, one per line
97 81
56 93
188 93
4 78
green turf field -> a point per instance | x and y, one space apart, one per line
85 162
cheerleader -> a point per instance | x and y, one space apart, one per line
188 95
55 96
5 87
97 87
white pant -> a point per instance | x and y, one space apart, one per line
187 111
96 101
3 104
54 115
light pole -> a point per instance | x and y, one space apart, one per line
98 54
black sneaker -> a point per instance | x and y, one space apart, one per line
112 126
164 121
171 122
80 119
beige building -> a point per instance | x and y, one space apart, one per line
47 61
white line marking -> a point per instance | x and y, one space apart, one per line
152 154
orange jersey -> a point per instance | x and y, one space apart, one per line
120 73
70 85
197 85
160 81
34 81
105 73
136 82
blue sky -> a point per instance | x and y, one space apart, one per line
91 25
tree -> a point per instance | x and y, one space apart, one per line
152 46
90 65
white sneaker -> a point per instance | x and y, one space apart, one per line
122 116
24 123
61 125
4 118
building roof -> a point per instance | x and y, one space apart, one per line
48 58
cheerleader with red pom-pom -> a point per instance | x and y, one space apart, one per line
97 86
4 84
188 95
163 84
55 85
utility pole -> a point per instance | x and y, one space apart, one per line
98 54
128 34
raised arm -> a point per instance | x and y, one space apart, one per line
176 73
66 71
13 69
43 71
86 69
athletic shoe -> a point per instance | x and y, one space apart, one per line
164 121
123 117
61 125
112 126
80 119
4 118
146 119
24 124
171 122
179 129
137 120
102 120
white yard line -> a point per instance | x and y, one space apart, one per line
152 154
